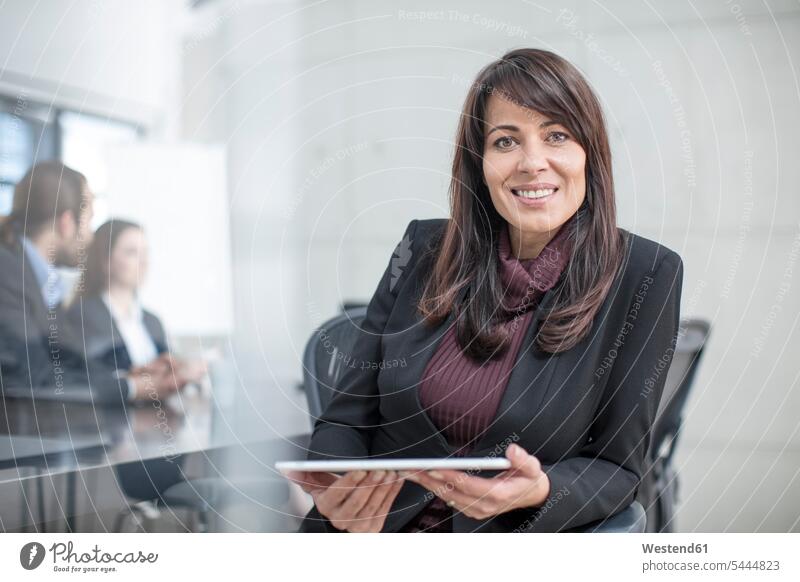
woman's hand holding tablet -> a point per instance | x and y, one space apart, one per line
357 501
360 499
523 485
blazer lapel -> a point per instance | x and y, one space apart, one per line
527 384
101 334
419 347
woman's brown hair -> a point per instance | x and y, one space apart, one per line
466 258
96 278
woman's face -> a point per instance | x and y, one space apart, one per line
129 259
535 172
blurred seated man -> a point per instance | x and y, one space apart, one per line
48 227
113 324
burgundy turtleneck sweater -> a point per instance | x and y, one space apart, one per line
460 395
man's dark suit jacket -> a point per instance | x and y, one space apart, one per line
38 347
92 320
586 413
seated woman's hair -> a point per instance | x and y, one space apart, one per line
466 255
96 275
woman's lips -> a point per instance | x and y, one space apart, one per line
534 198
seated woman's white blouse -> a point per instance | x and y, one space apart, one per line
138 341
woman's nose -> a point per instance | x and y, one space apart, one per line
532 159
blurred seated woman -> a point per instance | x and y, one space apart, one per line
108 314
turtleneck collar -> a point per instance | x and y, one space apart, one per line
522 279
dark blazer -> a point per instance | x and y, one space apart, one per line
38 347
91 318
586 413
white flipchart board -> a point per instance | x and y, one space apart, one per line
179 194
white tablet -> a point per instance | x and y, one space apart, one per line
344 465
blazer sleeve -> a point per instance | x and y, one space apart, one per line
24 359
345 428
603 478
31 360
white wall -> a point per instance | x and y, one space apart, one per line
110 57
700 98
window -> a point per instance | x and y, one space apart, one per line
84 142
28 133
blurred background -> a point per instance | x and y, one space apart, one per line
275 150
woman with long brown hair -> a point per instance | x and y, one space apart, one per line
114 326
529 325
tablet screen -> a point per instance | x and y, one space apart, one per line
344 465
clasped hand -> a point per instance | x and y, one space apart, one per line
164 376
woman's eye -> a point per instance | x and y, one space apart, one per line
557 137
504 142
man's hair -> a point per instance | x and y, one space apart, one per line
43 194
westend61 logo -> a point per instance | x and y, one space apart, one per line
65 559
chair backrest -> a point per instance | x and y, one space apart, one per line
328 350
658 489
692 337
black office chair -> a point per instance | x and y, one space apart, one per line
324 355
322 367
658 492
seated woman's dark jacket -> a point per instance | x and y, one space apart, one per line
91 319
586 413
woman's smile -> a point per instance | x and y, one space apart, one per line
534 195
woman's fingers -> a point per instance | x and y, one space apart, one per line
351 514
338 491
331 501
366 507
523 463
375 499
358 498
441 483
360 501
525 484
373 515
300 478
458 499
365 518
373 505
386 505
311 481
465 498
435 486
